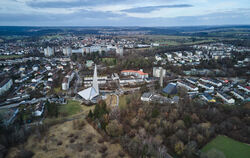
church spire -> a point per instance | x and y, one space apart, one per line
95 81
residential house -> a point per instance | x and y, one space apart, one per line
226 98
186 85
208 97
245 88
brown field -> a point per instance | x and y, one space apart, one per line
72 139
75 138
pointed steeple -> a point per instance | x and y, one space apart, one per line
95 82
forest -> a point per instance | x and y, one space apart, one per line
156 130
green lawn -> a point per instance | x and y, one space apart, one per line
231 148
71 108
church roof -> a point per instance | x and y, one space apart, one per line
89 93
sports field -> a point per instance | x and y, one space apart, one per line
231 148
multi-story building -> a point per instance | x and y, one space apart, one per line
119 51
139 74
67 51
48 51
5 85
67 79
158 70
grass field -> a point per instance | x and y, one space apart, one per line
231 148
10 56
71 108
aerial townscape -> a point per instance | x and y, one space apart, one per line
125 83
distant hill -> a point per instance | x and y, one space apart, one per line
187 30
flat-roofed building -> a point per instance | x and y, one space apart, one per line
187 85
5 85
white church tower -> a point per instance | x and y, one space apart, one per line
93 91
95 81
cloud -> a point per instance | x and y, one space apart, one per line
153 8
123 12
74 3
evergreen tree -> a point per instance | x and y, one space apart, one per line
90 115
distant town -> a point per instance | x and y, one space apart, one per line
53 71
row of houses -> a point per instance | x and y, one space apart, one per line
67 79
212 86
187 85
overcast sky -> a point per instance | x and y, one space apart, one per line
124 12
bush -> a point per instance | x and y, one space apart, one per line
103 149
59 143
72 140
24 154
121 154
114 128
78 124
100 140
89 138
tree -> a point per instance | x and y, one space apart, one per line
144 88
187 120
114 128
179 124
52 109
100 110
90 115
179 148
155 112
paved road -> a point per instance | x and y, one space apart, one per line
20 103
